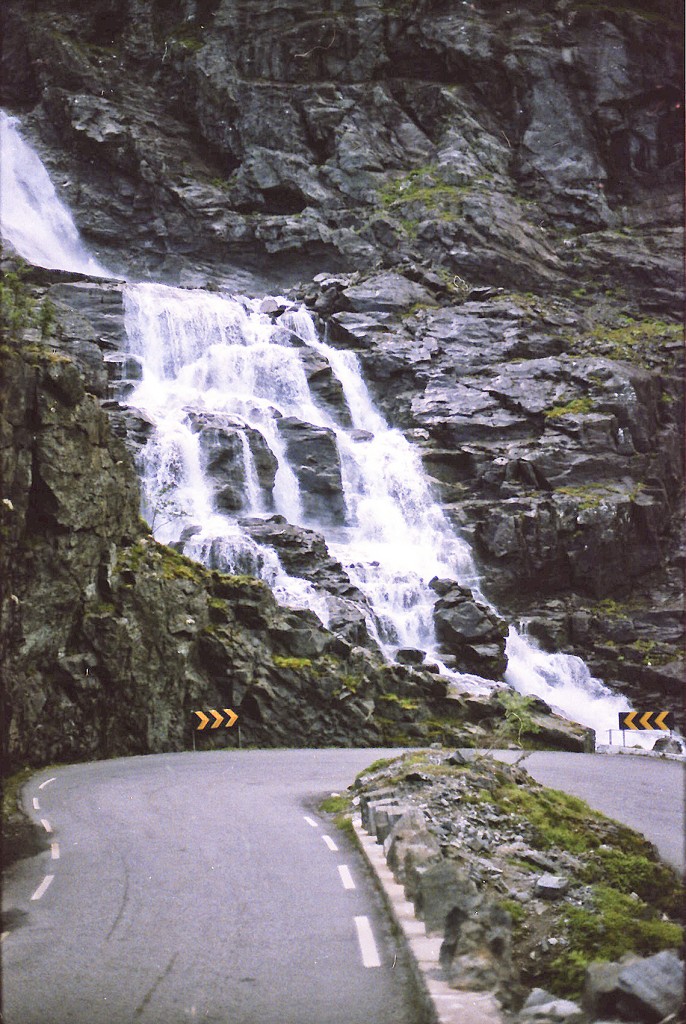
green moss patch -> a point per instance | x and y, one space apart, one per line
575 407
617 924
294 664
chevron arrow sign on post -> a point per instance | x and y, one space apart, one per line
663 720
218 716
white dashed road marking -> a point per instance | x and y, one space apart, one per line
365 937
330 843
55 851
46 825
311 822
36 805
43 887
346 877
46 783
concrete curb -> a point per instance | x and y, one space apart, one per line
449 1005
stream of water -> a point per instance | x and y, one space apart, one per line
215 369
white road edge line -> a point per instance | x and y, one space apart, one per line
330 843
36 805
46 825
365 937
55 851
346 877
311 822
43 887
3 936
46 783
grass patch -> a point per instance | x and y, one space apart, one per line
340 808
344 823
556 819
627 873
335 804
376 766
633 340
19 309
406 703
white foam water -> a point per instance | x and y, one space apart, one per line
32 217
209 358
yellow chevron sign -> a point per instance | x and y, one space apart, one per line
231 719
637 720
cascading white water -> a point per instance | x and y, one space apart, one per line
214 362
32 218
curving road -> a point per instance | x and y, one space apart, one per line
206 887
200 887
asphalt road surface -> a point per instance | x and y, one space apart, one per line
207 887
646 793
199 887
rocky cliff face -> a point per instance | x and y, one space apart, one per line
511 146
488 199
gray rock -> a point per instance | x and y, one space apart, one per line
313 455
471 632
410 843
668 745
476 952
443 887
600 989
650 990
551 1010
551 887
385 293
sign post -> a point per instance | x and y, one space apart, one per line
204 719
662 721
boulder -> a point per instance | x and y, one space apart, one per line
544 1007
443 888
551 887
315 460
471 632
476 953
651 989
239 462
325 387
410 840
385 293
638 989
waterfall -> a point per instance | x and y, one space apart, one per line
32 218
216 364
221 382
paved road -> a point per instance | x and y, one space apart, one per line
192 887
646 793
